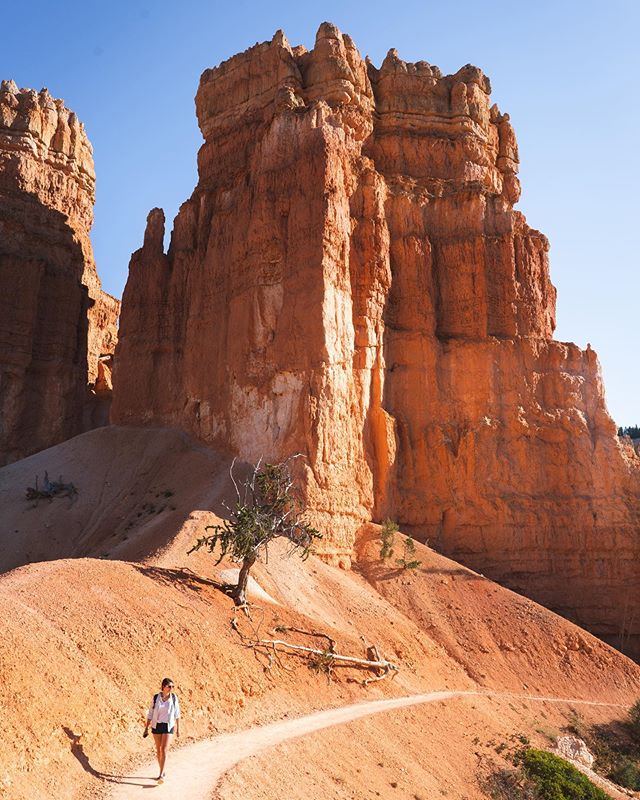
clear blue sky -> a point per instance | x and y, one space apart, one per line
567 72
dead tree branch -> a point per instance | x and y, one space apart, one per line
51 489
324 660
363 662
317 634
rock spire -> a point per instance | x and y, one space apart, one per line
350 280
55 320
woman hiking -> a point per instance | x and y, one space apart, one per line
164 718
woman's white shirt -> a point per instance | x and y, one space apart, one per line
164 710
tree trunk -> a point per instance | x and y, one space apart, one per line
239 593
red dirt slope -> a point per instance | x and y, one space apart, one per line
85 641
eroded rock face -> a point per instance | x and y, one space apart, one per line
55 320
349 280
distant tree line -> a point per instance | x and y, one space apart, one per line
632 430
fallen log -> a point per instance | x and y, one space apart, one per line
322 659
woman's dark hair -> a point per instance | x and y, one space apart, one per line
166 682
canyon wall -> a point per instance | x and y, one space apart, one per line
55 320
349 280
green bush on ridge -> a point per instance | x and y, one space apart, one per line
557 779
387 536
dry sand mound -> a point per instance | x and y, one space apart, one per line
137 489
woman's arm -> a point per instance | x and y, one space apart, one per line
177 709
149 715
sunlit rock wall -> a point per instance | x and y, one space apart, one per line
349 280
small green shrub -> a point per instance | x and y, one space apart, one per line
627 774
323 663
616 747
387 536
556 779
508 784
408 560
577 725
634 721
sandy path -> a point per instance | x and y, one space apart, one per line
194 770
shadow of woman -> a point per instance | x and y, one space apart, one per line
78 751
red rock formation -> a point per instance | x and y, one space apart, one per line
349 279
55 320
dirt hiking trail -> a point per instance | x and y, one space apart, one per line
194 771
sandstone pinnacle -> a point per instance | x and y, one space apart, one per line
55 320
350 280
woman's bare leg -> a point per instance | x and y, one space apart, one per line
164 744
157 738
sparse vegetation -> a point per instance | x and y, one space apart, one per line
626 774
509 784
149 508
634 721
266 509
408 560
550 734
387 541
557 779
323 662
539 775
615 746
387 537
577 726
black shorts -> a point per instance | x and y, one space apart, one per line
161 727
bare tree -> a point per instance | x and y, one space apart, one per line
267 508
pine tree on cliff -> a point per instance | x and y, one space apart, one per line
266 509
631 430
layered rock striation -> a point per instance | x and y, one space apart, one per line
350 280
55 320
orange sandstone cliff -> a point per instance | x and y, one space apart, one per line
55 320
349 280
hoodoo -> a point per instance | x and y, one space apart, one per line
350 280
57 326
